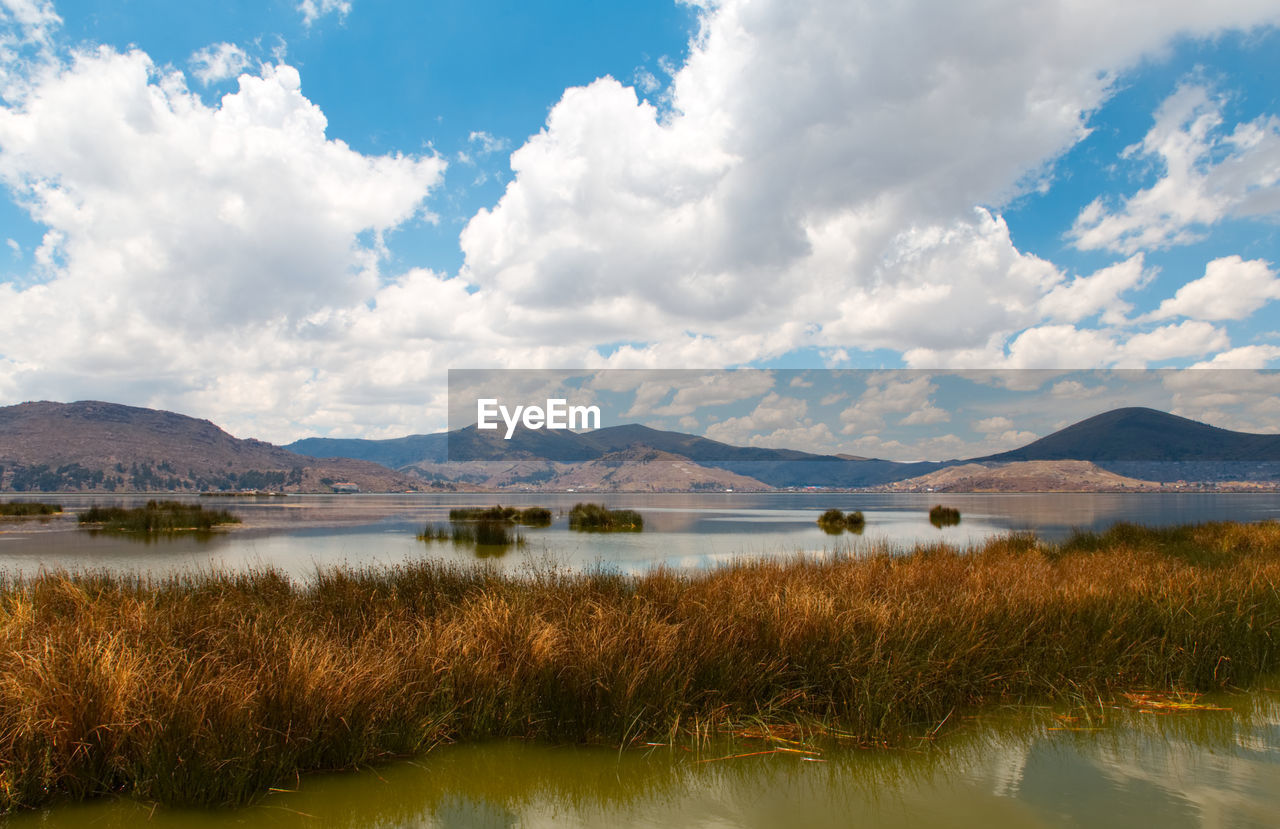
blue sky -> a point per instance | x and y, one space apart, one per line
293 218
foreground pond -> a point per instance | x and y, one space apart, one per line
1016 768
300 533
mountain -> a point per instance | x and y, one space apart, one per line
396 453
91 445
491 459
1130 443
1141 434
1157 446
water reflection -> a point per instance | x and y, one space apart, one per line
1011 769
299 534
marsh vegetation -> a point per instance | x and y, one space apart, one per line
941 516
835 522
24 509
599 518
156 517
207 689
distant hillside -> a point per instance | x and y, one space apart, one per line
90 445
396 453
1126 447
1157 446
1023 476
530 456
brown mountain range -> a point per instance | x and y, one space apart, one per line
95 446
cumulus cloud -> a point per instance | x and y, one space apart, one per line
1248 356
218 62
794 190
776 422
1085 296
1209 175
889 393
1230 289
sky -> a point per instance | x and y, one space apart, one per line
293 218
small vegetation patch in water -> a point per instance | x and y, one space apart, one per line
530 517
599 518
482 533
22 509
834 522
156 516
941 516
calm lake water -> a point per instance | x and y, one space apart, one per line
1007 769
1019 768
298 534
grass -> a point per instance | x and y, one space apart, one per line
483 533
941 516
531 517
21 509
156 516
834 522
207 689
599 518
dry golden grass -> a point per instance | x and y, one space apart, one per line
206 690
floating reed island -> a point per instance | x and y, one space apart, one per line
27 509
941 516
156 517
206 689
599 518
834 522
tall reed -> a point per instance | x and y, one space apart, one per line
207 689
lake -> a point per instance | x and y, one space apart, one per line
1008 768
1021 767
297 534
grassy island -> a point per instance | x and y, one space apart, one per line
834 521
530 517
25 509
599 518
207 689
156 517
941 516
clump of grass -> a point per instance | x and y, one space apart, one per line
941 516
156 516
532 516
485 533
207 689
20 509
599 518
834 522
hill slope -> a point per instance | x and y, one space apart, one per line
91 445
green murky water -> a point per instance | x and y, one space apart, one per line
1015 768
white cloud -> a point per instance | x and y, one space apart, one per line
794 190
1248 356
487 144
891 393
1085 296
1190 338
313 10
1208 176
776 422
1230 289
218 62
988 425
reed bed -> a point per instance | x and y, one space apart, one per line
156 516
208 689
24 509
